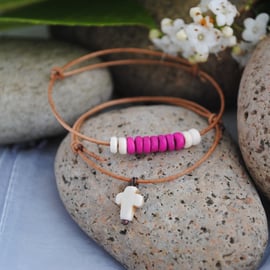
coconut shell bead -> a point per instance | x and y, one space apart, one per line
113 145
139 145
130 146
188 139
170 142
162 143
179 140
146 145
154 144
122 144
196 136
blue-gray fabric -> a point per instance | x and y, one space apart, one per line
36 232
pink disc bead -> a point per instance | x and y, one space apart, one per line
179 140
130 145
146 145
170 142
162 143
139 145
154 144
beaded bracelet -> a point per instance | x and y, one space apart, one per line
130 198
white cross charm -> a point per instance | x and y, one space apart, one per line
129 199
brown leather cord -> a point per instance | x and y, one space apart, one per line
164 60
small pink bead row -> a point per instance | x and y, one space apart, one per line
152 144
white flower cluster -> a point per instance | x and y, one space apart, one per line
210 32
255 30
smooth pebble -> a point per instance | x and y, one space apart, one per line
211 218
25 71
253 116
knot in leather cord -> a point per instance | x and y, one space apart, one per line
76 147
57 73
212 118
134 181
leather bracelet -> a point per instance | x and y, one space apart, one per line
130 198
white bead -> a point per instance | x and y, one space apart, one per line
129 199
113 145
122 143
196 136
188 139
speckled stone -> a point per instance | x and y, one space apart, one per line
138 80
210 219
25 69
254 116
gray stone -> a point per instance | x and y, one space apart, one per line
211 218
254 116
25 69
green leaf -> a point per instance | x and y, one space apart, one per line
7 26
80 12
11 4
